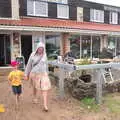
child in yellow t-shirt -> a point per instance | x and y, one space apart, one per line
15 77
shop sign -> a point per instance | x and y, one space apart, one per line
58 1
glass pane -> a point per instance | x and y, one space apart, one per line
95 46
109 52
52 46
30 8
63 11
86 42
75 45
41 8
118 47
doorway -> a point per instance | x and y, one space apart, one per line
26 46
5 51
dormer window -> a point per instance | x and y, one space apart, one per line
37 8
96 15
113 18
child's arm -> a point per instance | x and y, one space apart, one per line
10 77
23 75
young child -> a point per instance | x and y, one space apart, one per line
15 77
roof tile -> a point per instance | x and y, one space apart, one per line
57 23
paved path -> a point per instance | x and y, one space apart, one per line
59 109
67 109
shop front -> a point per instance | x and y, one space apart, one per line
95 46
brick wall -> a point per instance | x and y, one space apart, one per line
65 43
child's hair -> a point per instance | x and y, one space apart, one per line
14 63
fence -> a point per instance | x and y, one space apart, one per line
98 76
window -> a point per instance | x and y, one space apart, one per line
62 11
37 8
113 18
30 7
96 15
52 46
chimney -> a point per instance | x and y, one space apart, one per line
15 9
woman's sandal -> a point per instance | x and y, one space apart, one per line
35 101
45 110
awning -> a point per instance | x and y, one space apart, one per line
55 25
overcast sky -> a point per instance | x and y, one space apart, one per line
108 2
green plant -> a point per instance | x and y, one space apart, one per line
90 104
84 62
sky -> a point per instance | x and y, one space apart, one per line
108 2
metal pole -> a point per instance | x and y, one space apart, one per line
80 46
98 87
61 83
91 46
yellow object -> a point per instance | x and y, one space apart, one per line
2 109
15 77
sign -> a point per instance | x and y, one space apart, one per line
2 109
80 14
58 1
21 62
16 45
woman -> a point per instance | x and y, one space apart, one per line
37 71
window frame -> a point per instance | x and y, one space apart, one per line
96 18
59 16
113 19
34 8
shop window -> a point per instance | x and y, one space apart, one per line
111 48
95 46
62 11
96 15
75 45
37 8
85 44
113 18
118 47
52 46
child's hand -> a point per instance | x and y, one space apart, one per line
25 78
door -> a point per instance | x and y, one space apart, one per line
5 51
26 46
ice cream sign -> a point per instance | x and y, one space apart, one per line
58 1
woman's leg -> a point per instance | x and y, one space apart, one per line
45 99
34 92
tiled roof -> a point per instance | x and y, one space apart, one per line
57 23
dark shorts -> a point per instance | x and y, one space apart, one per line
17 89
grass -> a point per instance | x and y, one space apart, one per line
112 102
90 104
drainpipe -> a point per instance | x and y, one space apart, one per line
15 9
91 50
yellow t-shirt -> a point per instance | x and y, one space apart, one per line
15 77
